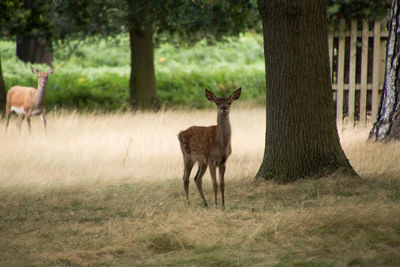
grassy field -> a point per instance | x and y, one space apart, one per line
107 190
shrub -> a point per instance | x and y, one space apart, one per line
95 76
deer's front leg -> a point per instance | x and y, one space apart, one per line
213 171
28 122
43 120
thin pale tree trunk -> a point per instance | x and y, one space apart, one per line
387 125
143 91
301 135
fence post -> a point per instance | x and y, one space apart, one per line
364 73
352 71
340 78
382 63
376 72
330 51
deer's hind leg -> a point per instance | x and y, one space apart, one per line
199 179
8 115
19 121
188 165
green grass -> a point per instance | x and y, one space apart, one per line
95 76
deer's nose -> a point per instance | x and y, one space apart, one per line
224 109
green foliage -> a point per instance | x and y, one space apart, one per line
188 18
95 76
357 9
20 17
8 15
65 20
222 67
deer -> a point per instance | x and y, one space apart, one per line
28 101
209 147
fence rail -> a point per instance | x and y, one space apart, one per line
357 54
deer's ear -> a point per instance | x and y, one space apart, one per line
235 95
210 96
50 71
34 70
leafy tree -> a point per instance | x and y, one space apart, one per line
301 137
27 21
190 20
356 9
7 16
37 24
387 125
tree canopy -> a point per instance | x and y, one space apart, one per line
356 9
59 20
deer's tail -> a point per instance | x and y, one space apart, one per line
183 142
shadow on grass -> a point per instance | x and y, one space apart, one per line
330 221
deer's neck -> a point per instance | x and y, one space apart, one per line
224 131
40 94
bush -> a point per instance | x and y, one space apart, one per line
95 76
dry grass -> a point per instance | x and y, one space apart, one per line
106 190
113 148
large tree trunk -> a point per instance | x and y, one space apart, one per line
34 50
387 125
301 136
142 82
3 91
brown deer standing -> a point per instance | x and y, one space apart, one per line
27 101
209 146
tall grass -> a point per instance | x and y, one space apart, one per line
95 76
107 190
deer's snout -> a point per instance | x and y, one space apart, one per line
224 109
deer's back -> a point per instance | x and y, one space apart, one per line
20 96
197 139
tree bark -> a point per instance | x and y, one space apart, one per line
142 82
387 125
3 91
301 136
34 50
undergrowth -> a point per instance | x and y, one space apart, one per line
95 76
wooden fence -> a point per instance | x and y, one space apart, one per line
357 53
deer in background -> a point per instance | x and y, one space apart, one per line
209 146
27 101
